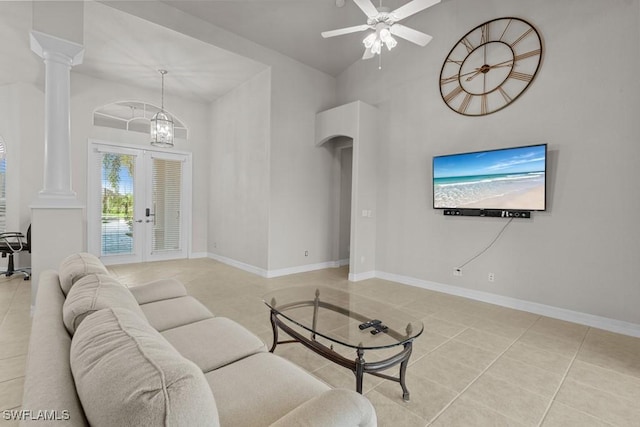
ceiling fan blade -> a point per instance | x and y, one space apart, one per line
368 54
411 8
367 7
341 31
410 34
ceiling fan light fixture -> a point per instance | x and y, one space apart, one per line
385 23
377 47
387 38
374 41
369 40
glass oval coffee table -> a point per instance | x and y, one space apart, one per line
325 316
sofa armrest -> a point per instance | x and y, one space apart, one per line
335 408
158 290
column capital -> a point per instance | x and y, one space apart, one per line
45 45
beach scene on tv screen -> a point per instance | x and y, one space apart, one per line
500 179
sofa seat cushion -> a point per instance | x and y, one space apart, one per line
174 312
92 293
158 290
127 374
335 408
76 266
264 381
213 343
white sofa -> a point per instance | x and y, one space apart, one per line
151 355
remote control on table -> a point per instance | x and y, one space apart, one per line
379 328
369 324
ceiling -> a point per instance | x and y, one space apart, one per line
293 27
133 50
124 48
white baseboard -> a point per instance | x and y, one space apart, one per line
274 273
302 269
356 277
608 324
195 255
343 262
612 325
238 264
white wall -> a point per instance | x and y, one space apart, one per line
300 212
22 121
23 130
88 93
300 173
239 173
345 173
582 254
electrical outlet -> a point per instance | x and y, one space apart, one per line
306 253
492 277
457 272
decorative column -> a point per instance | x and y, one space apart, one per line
57 217
59 56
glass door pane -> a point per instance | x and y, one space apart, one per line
117 203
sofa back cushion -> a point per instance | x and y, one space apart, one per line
92 293
127 374
76 266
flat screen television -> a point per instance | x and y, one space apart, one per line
504 179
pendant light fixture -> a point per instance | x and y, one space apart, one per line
161 124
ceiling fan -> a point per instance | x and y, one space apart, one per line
385 24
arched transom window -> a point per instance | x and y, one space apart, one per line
134 116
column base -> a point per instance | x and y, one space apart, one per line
51 199
56 232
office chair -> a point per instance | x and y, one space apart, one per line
10 244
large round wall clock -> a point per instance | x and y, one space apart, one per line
491 66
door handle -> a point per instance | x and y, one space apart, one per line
138 220
148 221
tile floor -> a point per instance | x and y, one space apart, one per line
476 364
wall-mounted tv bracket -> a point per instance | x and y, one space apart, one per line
488 212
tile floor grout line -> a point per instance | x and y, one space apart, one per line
13 297
564 377
420 358
478 377
437 347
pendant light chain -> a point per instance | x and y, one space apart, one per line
162 72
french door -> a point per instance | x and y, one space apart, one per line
138 204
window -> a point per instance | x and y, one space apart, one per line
133 116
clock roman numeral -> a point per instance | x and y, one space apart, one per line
454 61
451 79
521 76
484 105
505 29
465 103
467 44
485 33
519 39
527 55
451 95
504 94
